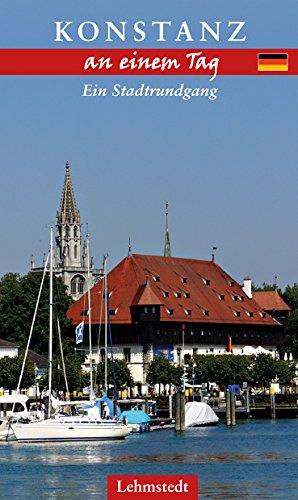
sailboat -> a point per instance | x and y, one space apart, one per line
72 428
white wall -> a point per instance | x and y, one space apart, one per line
9 352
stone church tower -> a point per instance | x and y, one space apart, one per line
71 250
71 256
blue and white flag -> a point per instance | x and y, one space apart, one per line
79 333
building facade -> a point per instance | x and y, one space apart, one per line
176 307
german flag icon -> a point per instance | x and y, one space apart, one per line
273 62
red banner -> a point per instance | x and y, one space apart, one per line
130 61
167 487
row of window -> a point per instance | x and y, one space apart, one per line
188 311
126 354
179 294
206 312
184 280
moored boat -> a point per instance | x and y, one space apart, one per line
69 429
199 414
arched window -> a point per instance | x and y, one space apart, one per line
77 285
75 252
81 283
73 286
67 232
75 232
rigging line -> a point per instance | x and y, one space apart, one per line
32 326
100 320
111 349
62 360
58 333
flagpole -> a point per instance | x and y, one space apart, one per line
89 317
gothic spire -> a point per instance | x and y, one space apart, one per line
68 211
167 247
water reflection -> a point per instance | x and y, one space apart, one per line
254 460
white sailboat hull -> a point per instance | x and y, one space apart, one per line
56 430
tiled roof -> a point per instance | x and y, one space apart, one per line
37 359
190 290
271 301
145 296
5 343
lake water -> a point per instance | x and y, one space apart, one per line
256 459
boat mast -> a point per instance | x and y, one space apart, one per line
106 322
51 325
89 316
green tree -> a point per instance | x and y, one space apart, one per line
266 287
291 334
285 372
18 297
161 371
221 369
263 370
10 369
123 377
290 295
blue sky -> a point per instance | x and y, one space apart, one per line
227 167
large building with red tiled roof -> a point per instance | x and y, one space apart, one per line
160 304
273 304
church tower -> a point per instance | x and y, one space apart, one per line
68 237
71 250
71 254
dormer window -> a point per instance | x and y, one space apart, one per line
206 281
112 312
263 314
187 295
231 283
156 278
235 298
187 312
165 294
236 313
178 295
184 280
170 312
221 297
205 312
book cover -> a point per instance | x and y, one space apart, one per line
164 133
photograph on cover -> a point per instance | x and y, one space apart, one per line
148 266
